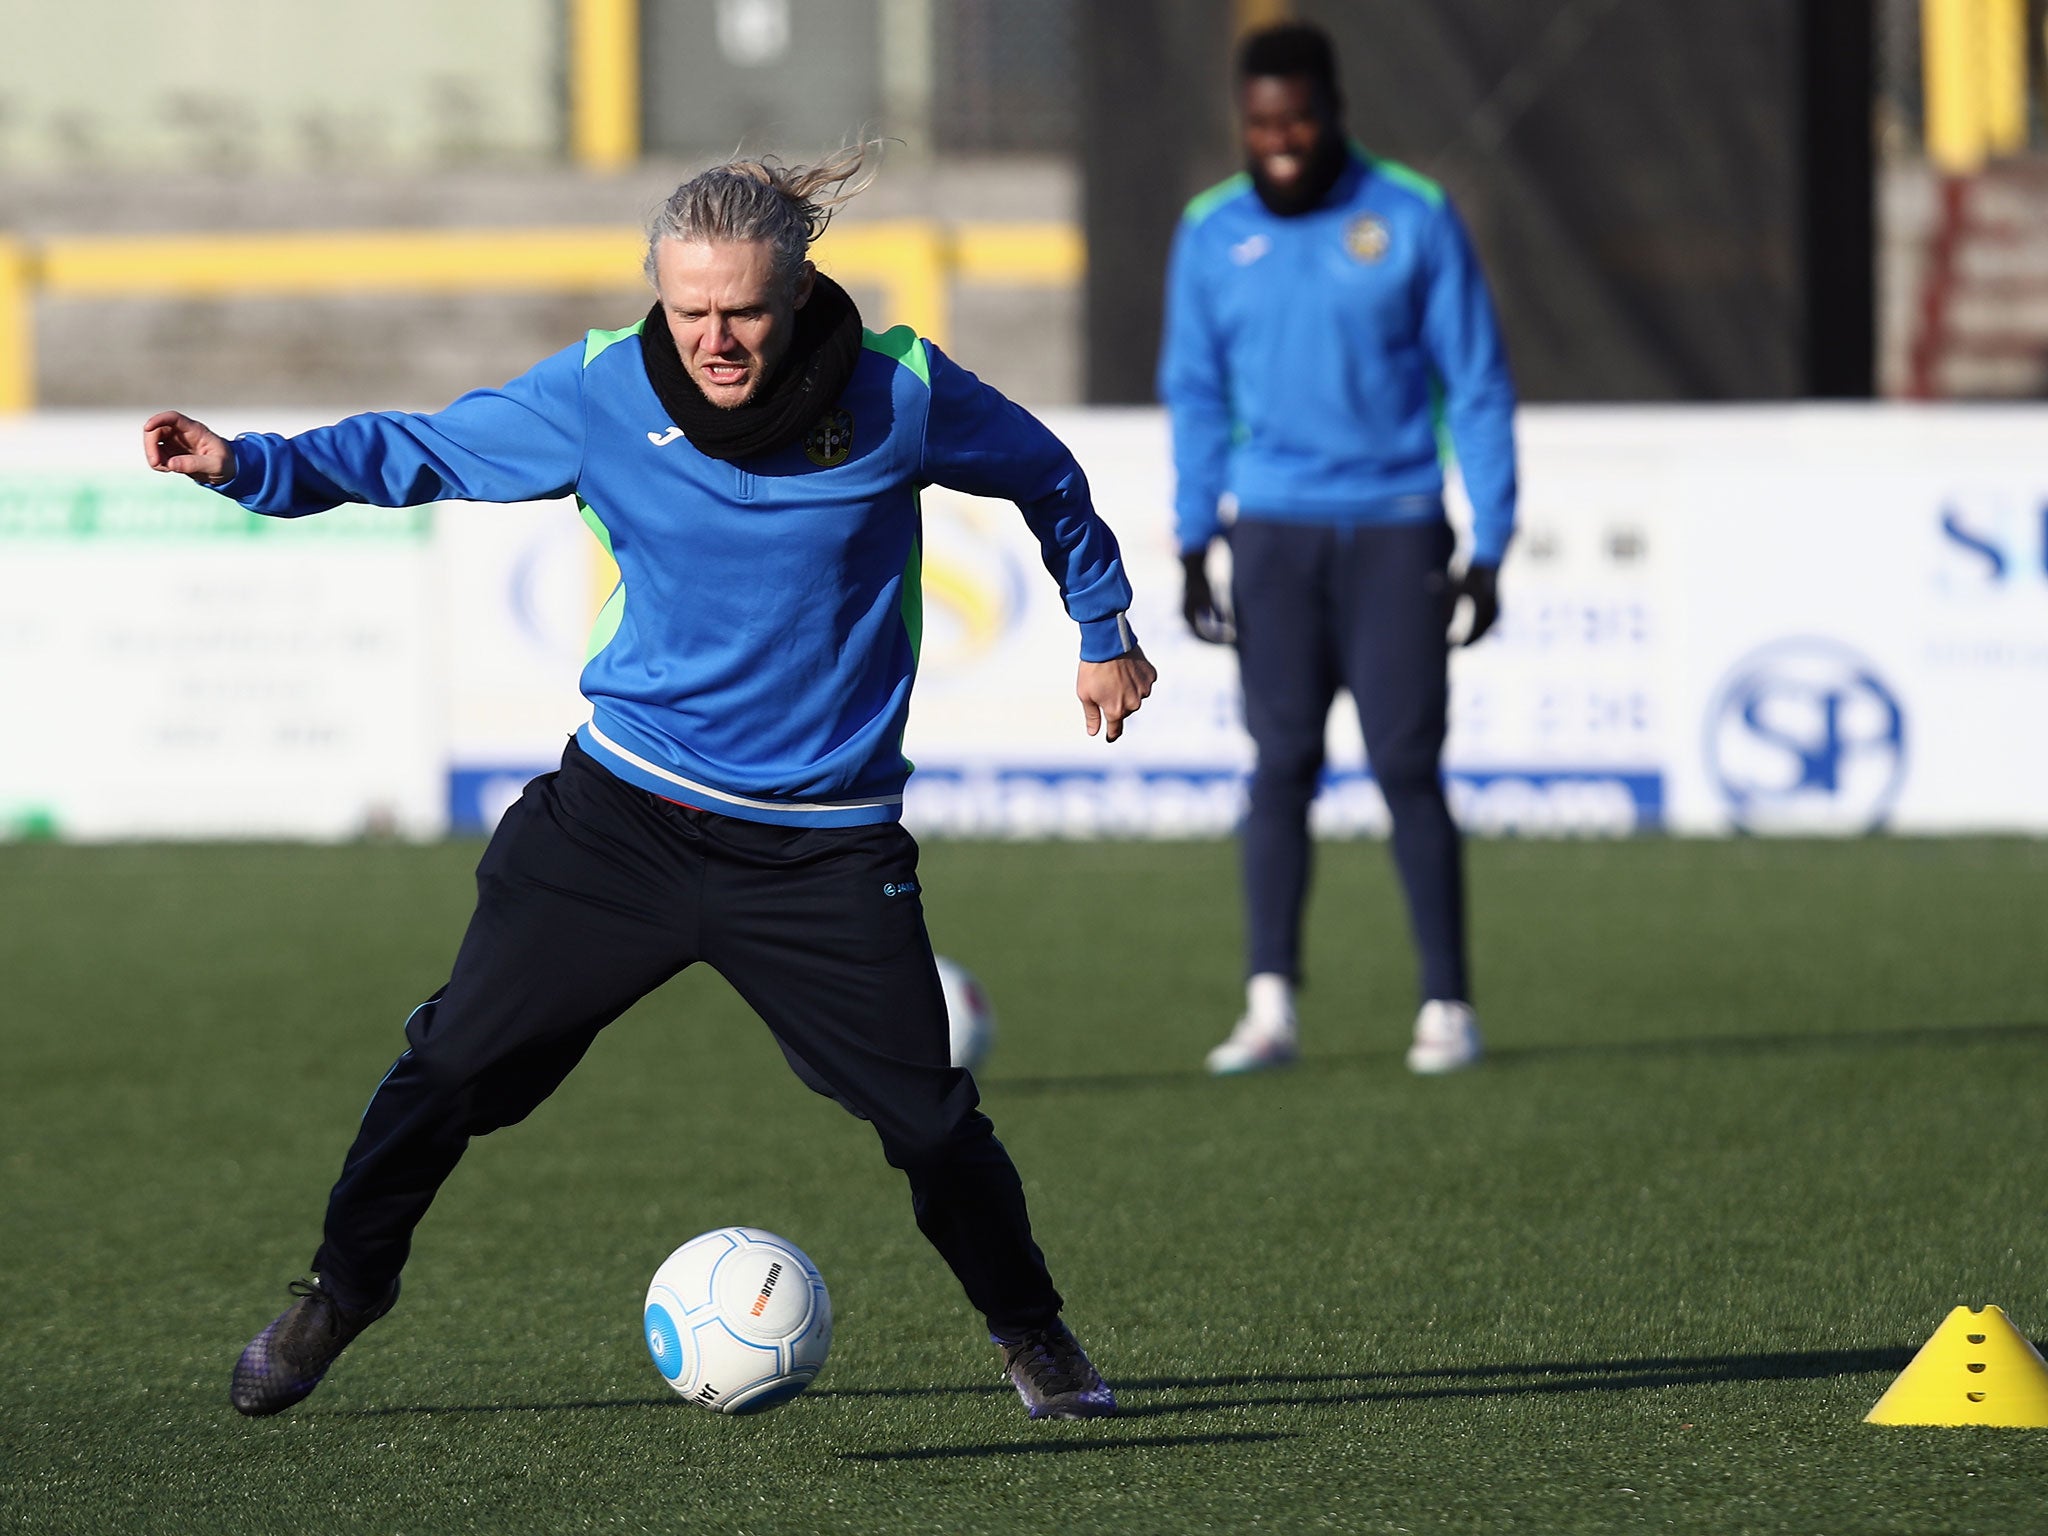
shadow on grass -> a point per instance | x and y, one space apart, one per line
1059 1447
1515 1055
1543 1378
1265 1389
1288 1390
1314 1390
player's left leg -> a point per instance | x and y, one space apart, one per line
822 932
1394 611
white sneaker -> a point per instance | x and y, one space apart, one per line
1255 1045
1446 1038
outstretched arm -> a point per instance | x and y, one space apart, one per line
523 442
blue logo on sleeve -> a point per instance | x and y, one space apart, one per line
899 888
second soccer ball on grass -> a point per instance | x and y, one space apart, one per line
969 1018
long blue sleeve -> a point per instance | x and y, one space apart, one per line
1462 338
1194 385
980 442
523 442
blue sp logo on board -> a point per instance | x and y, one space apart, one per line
1804 736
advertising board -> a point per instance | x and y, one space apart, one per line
1821 620
171 666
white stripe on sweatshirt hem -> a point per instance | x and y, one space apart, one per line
821 806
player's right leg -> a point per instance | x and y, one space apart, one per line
1281 596
822 932
1394 613
585 902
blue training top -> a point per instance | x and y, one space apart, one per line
757 656
1309 361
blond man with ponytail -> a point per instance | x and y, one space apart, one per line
750 454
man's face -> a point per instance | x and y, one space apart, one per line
731 319
1285 120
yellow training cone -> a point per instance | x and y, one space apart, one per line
1977 1369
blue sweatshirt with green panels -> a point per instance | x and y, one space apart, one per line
1309 361
757 656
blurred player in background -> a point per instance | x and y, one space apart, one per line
750 456
1325 315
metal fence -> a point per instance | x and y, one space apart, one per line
1005 76
955 77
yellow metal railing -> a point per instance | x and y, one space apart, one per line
913 262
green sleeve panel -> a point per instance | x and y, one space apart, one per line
1404 176
606 625
913 612
903 345
913 597
596 525
1202 204
613 612
597 341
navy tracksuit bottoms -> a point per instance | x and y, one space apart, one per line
1320 607
594 892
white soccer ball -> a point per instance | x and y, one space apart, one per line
737 1320
970 1020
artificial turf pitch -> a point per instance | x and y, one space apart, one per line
1757 1115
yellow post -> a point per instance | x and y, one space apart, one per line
604 83
908 259
1953 140
923 283
17 328
2005 75
1974 68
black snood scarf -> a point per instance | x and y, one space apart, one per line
810 377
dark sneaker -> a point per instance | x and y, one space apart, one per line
286 1360
1051 1373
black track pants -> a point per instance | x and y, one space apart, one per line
591 894
1362 608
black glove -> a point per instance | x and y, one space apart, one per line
1198 604
1481 584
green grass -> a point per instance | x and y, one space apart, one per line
1759 1114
